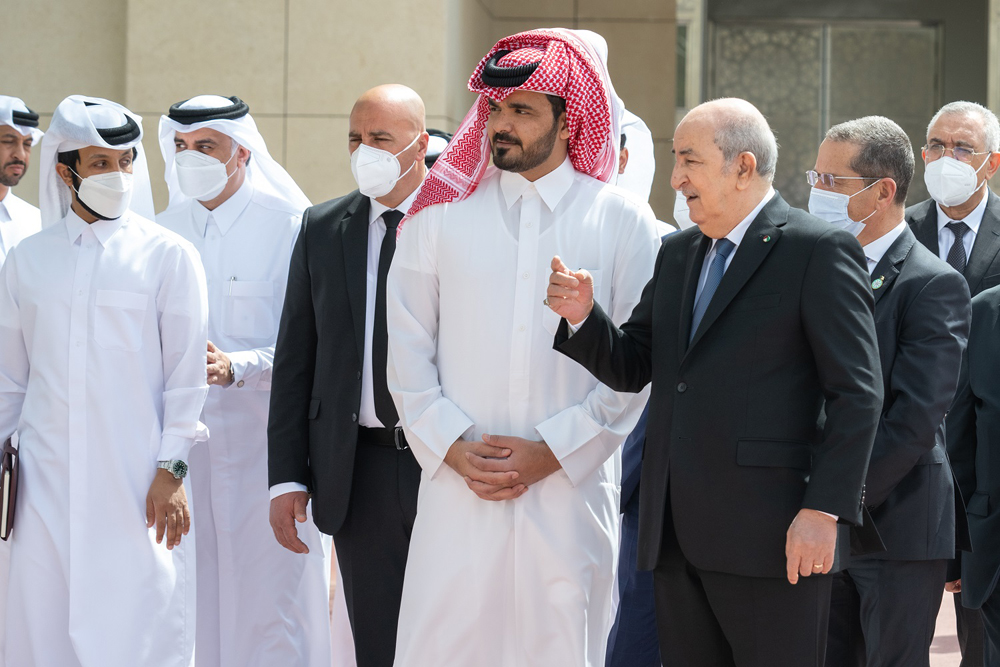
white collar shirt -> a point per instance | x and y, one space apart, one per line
875 251
736 236
946 237
18 220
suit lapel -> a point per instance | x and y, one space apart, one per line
925 228
692 274
987 244
887 270
355 244
748 258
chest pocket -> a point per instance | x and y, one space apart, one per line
118 319
549 318
247 310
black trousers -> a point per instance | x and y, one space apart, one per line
971 636
714 619
883 613
372 545
990 618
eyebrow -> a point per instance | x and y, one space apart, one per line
683 151
960 142
521 105
381 133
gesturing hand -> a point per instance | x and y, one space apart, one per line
487 484
286 509
810 544
167 508
570 293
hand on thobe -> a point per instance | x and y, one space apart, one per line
220 369
531 460
809 544
488 485
953 586
571 293
286 509
167 507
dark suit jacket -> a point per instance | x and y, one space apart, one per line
983 269
734 418
922 314
312 429
974 434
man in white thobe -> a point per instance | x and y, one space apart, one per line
513 552
258 604
18 219
103 323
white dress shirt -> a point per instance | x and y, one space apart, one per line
470 352
18 220
875 250
103 329
946 237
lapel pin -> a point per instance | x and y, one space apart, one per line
878 282
766 239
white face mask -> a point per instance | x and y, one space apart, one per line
376 170
951 182
201 176
832 207
108 195
682 216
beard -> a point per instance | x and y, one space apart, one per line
528 157
11 181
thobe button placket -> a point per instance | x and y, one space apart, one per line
526 305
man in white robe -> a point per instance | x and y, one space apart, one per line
513 552
18 134
103 323
258 604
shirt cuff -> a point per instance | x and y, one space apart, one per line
832 516
245 375
174 447
573 328
286 487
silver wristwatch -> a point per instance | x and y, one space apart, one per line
175 467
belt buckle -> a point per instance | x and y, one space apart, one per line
399 440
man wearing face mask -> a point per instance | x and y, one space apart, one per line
258 604
961 156
103 323
18 134
885 604
333 429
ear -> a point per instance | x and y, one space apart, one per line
746 168
422 146
563 126
65 174
994 164
242 155
622 161
886 192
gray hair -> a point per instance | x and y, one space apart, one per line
991 126
884 150
746 133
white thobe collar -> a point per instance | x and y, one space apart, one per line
973 220
376 210
551 187
875 250
102 229
226 213
4 213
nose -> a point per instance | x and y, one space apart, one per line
677 177
20 152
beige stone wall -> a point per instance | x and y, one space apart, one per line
300 64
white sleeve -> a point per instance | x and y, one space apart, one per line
14 365
431 421
582 437
182 306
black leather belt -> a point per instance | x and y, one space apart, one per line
383 437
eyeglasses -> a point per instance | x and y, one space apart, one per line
960 153
814 178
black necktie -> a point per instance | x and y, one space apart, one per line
956 255
384 409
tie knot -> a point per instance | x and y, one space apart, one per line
958 228
724 247
391 219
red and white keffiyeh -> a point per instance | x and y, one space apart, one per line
569 67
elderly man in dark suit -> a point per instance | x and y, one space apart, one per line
922 315
333 429
974 432
751 322
961 156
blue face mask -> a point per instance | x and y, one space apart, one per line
832 207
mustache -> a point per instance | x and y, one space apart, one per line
503 136
14 163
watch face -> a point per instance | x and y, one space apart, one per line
179 469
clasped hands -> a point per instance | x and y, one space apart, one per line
501 467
